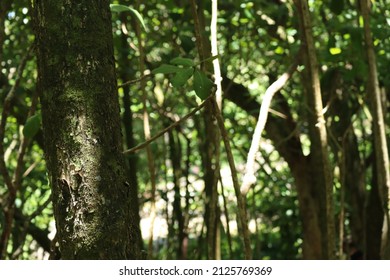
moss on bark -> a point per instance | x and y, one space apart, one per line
83 143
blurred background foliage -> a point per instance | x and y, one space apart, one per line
258 40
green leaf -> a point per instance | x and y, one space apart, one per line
187 43
202 85
166 69
182 61
211 58
119 8
279 50
334 51
122 8
182 77
32 126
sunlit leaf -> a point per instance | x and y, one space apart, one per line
166 69
119 8
279 50
182 77
122 8
334 51
202 85
32 126
361 21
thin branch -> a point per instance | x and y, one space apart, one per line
27 223
214 52
11 186
4 116
24 142
18 175
31 168
198 36
225 209
135 80
242 213
165 130
249 177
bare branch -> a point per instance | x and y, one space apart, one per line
162 132
249 177
135 80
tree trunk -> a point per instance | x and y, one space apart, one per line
127 121
92 200
322 176
374 219
211 148
176 157
381 149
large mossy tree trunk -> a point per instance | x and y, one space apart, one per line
83 145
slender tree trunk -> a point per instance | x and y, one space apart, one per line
354 180
381 149
211 149
168 218
226 212
127 121
176 155
187 214
318 136
374 219
92 204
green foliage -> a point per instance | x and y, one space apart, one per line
122 8
184 71
182 61
202 85
32 126
167 69
335 51
258 41
182 77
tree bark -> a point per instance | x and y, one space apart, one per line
211 149
381 149
176 157
81 124
374 219
322 176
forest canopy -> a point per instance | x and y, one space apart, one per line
197 129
